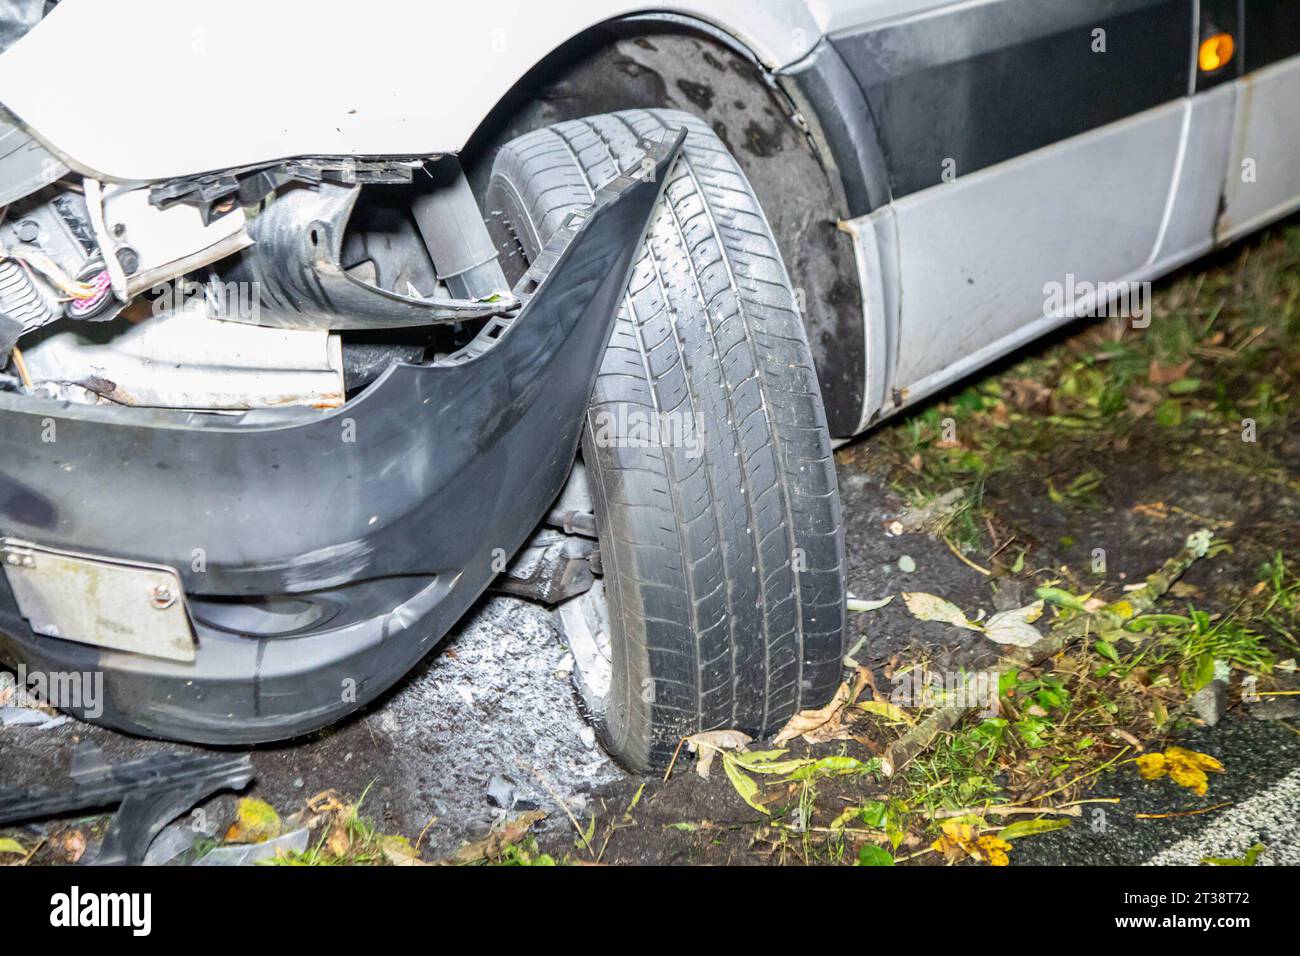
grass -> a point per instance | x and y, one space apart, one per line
1187 648
1217 360
1281 611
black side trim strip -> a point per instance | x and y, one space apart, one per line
1272 31
826 92
981 84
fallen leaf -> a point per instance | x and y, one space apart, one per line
1155 509
817 726
1015 626
930 607
1187 768
933 515
74 845
1248 860
844 819
327 801
745 785
398 851
871 855
255 822
339 840
1028 394
853 604
1142 401
765 761
888 710
1158 374
834 767
1024 828
993 850
1061 598
708 743
960 840
8 845
1169 413
491 847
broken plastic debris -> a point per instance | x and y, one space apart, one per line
247 854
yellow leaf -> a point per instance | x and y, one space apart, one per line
338 841
1151 766
1187 768
1121 608
1204 761
255 822
994 850
955 841
1190 776
961 840
11 846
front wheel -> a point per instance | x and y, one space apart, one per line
706 448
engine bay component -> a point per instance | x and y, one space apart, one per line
375 256
313 273
151 245
185 358
100 301
22 306
552 567
250 186
47 248
452 226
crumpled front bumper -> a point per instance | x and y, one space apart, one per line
417 489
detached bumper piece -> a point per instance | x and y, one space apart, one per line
376 524
149 792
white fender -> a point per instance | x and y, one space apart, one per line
154 89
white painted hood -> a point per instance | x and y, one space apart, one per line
154 89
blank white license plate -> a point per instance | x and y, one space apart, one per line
123 605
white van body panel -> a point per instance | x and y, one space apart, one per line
156 89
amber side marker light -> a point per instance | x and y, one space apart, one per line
1216 52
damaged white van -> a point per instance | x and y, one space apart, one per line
317 320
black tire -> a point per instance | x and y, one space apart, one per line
722 553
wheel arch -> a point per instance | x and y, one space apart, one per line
765 118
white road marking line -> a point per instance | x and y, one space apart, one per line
1271 816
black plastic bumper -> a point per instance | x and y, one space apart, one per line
420 485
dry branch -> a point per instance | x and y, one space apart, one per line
1107 618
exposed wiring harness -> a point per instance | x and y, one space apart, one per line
72 289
